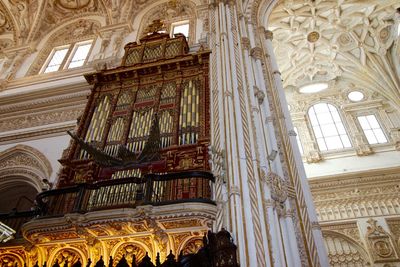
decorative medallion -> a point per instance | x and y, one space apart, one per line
380 243
384 34
312 37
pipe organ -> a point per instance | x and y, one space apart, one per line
159 79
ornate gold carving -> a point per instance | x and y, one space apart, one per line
67 256
192 246
9 260
128 250
181 224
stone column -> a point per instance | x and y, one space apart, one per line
291 161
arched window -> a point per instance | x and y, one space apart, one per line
176 17
328 127
67 56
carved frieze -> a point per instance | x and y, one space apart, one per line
32 120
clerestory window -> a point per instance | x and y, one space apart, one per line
328 127
180 27
372 130
67 56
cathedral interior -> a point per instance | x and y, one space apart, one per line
140 129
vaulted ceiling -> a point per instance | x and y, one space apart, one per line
350 42
23 22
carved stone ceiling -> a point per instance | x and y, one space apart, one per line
25 22
344 40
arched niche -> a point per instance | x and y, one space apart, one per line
11 260
344 251
128 249
24 172
73 31
170 12
191 245
67 257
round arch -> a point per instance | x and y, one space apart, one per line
185 10
11 259
190 244
129 248
24 172
74 30
67 253
338 244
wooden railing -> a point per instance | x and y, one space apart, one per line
152 189
16 219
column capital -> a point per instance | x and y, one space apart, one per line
268 35
256 52
245 43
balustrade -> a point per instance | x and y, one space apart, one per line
151 189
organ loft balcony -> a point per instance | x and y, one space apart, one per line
137 164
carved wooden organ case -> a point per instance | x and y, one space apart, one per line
157 78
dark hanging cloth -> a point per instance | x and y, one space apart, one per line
146 262
56 264
100 263
123 262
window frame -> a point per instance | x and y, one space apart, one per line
50 57
313 134
73 51
180 23
381 127
72 47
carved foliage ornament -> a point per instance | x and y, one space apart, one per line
193 246
68 256
9 260
278 187
128 250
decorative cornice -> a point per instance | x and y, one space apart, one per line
349 180
38 133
